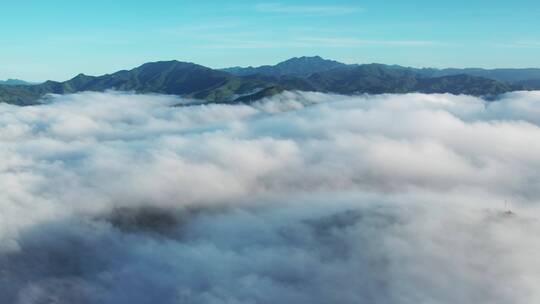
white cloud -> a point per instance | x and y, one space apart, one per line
299 198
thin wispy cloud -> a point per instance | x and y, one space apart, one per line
521 44
200 30
307 9
314 42
351 42
253 44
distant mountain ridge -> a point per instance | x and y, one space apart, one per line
235 85
503 75
15 82
298 66
316 64
379 79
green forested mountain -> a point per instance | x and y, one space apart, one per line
165 77
305 66
304 74
529 84
378 79
298 66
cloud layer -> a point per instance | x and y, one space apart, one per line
299 198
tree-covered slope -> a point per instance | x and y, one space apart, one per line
165 77
377 79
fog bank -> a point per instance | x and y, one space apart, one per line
298 198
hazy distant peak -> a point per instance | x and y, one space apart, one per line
12 81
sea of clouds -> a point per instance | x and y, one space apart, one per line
299 198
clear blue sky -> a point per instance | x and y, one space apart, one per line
57 39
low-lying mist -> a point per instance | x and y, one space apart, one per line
298 198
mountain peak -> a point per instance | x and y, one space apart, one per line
296 66
170 65
305 60
316 57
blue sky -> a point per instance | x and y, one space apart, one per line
57 39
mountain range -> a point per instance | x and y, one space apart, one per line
15 82
237 84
